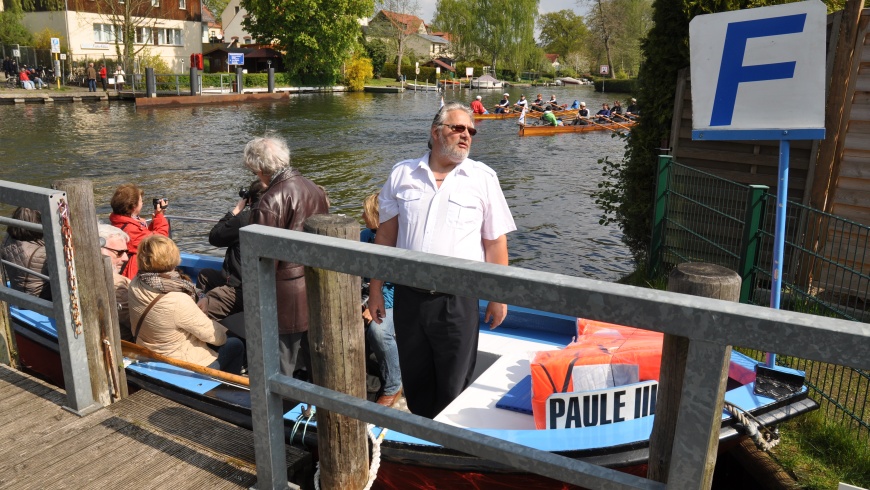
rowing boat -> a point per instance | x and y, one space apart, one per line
529 114
526 130
406 462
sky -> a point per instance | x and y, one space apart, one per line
427 7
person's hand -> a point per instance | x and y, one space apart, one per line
495 314
376 305
161 205
240 206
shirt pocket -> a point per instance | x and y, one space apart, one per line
464 212
410 204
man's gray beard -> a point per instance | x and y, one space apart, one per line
455 154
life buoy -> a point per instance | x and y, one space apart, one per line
196 60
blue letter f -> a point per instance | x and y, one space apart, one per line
732 72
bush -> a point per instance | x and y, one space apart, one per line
357 72
628 86
426 72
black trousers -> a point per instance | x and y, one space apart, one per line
437 339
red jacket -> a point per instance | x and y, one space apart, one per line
138 229
103 72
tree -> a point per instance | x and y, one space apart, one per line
616 29
216 7
12 30
317 37
494 28
563 32
396 21
358 70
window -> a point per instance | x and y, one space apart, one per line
182 4
174 37
104 33
144 35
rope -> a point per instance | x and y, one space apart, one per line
764 438
376 459
68 255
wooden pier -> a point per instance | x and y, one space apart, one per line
143 441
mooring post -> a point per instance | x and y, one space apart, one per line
8 348
697 279
335 334
92 289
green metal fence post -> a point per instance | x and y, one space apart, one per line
659 214
749 247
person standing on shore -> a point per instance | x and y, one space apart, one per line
119 78
103 78
92 78
442 203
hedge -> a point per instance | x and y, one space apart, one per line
624 86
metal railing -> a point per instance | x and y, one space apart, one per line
709 325
53 208
826 270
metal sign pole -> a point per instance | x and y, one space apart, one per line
779 233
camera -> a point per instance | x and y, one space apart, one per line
164 203
244 193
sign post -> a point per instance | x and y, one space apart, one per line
603 70
55 49
759 74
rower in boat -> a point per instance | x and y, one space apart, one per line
538 104
582 118
604 113
503 105
521 104
633 110
477 106
616 111
550 119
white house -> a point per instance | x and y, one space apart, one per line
231 20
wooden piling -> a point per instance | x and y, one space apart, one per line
92 289
111 331
697 279
335 334
8 348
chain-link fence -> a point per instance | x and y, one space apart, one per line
700 217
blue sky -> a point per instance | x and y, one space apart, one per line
427 7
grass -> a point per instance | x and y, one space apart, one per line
818 452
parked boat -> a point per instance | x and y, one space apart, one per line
527 130
407 462
485 81
570 81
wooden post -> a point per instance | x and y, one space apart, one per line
335 334
697 279
111 330
8 348
92 289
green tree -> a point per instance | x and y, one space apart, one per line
12 31
317 36
396 21
216 7
376 51
496 29
563 32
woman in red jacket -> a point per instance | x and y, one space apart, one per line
126 206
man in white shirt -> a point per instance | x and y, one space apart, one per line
446 204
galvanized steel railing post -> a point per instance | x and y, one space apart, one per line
660 207
749 246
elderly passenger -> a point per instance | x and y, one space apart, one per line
288 201
165 317
126 206
113 244
26 249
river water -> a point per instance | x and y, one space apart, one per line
345 142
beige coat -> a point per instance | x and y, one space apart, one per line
30 255
122 286
175 326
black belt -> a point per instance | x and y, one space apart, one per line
430 292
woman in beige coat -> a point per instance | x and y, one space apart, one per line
164 316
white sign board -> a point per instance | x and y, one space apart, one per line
63 56
55 45
16 53
469 71
601 407
759 69
604 69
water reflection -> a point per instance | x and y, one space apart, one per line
345 142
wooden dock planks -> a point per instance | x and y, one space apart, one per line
144 441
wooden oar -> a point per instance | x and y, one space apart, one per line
599 124
139 353
616 123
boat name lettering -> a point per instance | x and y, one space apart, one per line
601 407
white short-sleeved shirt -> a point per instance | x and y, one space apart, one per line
451 220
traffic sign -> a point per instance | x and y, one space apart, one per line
63 56
417 68
235 58
55 45
760 69
604 69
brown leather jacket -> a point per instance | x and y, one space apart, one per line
287 203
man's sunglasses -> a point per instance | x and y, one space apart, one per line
118 253
461 128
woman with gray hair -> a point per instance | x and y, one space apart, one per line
288 201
